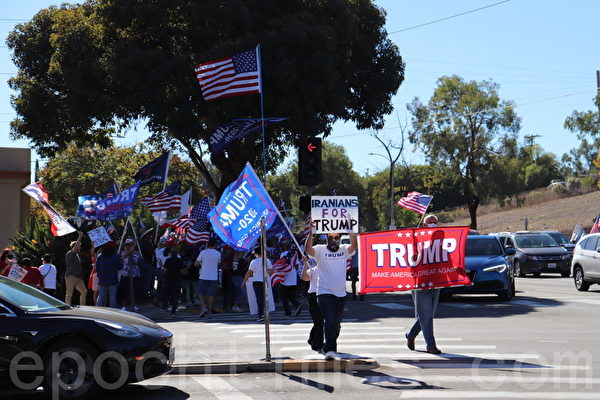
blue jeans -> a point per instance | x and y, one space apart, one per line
332 308
259 292
112 296
426 301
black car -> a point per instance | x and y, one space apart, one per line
537 253
561 239
75 351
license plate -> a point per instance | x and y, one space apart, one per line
172 355
551 265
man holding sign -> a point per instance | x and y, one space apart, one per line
335 215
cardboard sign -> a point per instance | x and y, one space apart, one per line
17 273
334 214
414 258
99 236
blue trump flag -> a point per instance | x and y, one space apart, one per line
117 206
155 171
225 134
236 218
87 203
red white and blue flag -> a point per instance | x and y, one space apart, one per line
283 266
416 201
231 76
199 231
168 199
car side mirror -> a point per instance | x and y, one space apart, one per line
598 249
510 251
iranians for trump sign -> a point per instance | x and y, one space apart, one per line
414 258
236 219
333 214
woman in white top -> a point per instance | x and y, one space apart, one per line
48 271
255 277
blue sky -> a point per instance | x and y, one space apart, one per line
544 55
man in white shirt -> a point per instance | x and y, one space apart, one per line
48 272
331 284
208 260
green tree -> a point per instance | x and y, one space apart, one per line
338 179
586 124
77 171
461 127
87 71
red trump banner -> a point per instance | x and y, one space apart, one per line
414 258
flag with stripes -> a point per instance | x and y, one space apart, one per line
180 224
199 231
166 200
231 76
110 228
284 265
416 201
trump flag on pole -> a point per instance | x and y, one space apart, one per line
60 226
236 219
414 258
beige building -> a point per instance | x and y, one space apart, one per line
15 173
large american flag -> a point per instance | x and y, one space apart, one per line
231 76
166 200
198 233
416 201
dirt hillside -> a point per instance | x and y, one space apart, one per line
560 214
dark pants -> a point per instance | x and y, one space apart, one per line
333 309
172 291
288 294
259 292
50 291
315 338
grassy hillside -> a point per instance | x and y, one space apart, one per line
543 211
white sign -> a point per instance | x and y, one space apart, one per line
99 236
17 273
334 214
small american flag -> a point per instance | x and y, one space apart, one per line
283 266
231 76
416 201
166 200
307 227
198 233
110 228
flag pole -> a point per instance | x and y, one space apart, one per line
262 112
164 187
263 252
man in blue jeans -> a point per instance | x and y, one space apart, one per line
331 285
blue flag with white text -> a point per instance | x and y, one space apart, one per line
236 218
117 206
225 134
87 203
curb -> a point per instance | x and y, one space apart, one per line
287 365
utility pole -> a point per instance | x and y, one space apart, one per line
529 143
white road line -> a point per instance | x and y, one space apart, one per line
532 303
220 388
511 377
447 394
345 328
587 301
394 346
302 332
291 322
343 340
461 305
484 356
481 365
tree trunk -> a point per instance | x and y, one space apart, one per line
473 204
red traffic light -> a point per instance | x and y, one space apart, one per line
311 147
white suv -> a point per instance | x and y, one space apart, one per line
586 261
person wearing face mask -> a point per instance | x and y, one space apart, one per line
425 301
331 284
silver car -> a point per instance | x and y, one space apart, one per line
586 261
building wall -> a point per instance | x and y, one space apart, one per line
15 173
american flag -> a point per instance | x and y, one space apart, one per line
110 228
283 266
416 201
307 227
198 233
231 76
179 224
166 200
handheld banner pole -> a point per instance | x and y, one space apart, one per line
263 251
262 113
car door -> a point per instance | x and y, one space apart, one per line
590 258
509 244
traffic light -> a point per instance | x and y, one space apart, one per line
309 162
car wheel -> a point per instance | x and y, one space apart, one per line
69 370
580 284
509 293
565 274
518 269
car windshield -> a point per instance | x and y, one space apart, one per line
28 298
483 247
559 237
535 241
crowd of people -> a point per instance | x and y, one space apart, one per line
171 274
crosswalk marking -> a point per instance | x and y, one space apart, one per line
447 394
484 378
342 340
220 388
394 346
303 331
394 306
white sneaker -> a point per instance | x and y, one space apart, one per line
136 308
124 308
330 355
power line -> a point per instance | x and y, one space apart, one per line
445 18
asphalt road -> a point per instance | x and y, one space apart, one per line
541 345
